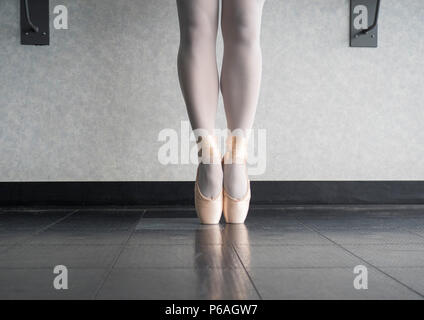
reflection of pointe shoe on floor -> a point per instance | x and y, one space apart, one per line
235 210
236 233
209 210
208 234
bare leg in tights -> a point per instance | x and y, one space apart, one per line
198 74
240 79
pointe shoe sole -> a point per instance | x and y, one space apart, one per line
208 210
235 210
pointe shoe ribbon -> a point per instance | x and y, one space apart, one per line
236 150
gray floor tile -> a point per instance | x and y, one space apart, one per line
202 234
363 211
38 284
286 257
165 224
261 218
39 256
76 236
22 220
358 222
178 256
412 277
177 284
10 237
4 247
292 256
98 220
170 214
325 283
272 235
390 255
373 236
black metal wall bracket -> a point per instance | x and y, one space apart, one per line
361 33
35 28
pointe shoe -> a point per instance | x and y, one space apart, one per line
235 210
209 210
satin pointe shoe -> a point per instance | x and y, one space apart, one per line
209 210
235 210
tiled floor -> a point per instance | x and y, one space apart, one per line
280 253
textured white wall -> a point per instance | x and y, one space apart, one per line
90 106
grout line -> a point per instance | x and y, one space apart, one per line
247 272
42 229
362 259
118 255
55 222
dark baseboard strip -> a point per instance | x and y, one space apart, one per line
151 193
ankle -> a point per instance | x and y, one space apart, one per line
236 150
235 167
210 173
208 150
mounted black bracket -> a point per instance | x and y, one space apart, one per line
35 28
364 23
